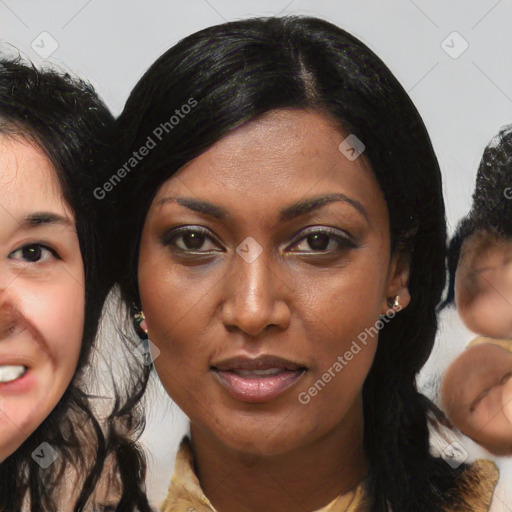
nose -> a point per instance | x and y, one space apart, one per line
256 297
8 317
9 313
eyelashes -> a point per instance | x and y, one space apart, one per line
193 239
34 253
195 236
317 236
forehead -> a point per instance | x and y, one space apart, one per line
282 156
481 248
28 180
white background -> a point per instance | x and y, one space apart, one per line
464 101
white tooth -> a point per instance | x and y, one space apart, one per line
259 373
10 373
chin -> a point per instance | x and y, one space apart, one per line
254 439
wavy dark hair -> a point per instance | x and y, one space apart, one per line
240 70
64 117
491 207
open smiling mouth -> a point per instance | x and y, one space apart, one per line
10 373
257 380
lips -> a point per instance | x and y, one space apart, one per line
19 363
21 355
22 349
16 371
258 379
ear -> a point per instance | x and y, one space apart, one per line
398 280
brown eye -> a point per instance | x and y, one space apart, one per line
324 241
33 253
318 242
193 241
187 239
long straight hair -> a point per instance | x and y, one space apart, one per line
234 73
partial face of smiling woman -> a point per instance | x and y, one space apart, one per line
240 339
41 292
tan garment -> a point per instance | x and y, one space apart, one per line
185 493
506 344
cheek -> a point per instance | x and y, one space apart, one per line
341 319
57 310
178 315
171 303
175 297
349 301
489 315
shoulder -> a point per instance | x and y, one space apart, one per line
475 487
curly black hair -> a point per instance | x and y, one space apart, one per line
491 207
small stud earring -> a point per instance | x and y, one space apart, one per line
395 303
140 321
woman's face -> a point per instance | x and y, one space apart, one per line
41 292
254 285
476 393
483 285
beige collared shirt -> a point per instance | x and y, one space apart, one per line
185 493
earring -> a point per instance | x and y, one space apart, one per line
395 303
140 321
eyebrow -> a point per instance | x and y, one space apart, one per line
37 219
287 214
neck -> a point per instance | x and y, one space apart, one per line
306 478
